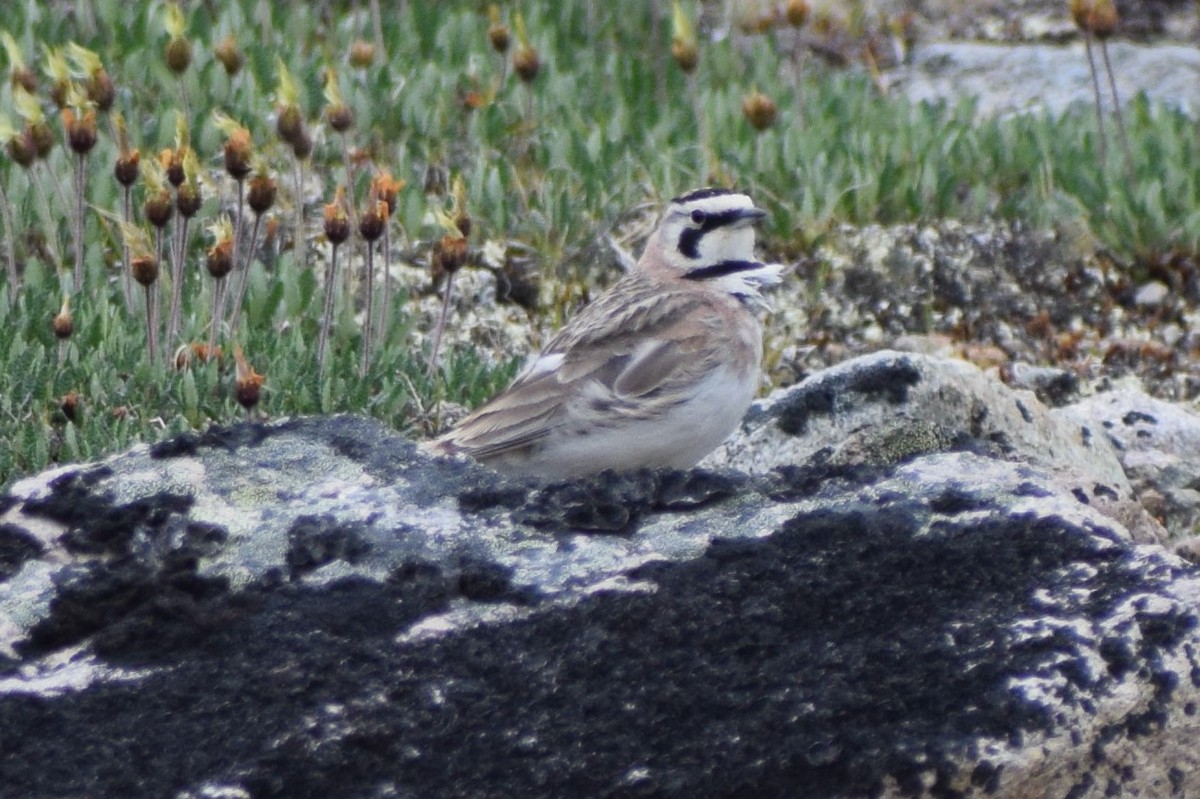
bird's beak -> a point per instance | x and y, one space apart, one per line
750 216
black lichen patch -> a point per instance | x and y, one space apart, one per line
614 502
954 501
485 581
833 655
16 547
96 523
226 437
314 541
889 382
1133 417
794 482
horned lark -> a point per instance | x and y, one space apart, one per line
654 373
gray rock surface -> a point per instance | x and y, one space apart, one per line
311 608
1159 446
890 407
1009 78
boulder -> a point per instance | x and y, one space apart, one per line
889 407
313 608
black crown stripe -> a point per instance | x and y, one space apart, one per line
702 194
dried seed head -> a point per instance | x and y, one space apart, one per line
247 382
525 59
238 150
362 54
448 255
43 139
684 47
498 34
373 220
21 147
158 207
125 170
337 113
230 55
219 257
337 222
289 123
1104 19
178 54
63 323
339 117
69 405
797 12
261 192
187 197
1081 11
59 72
759 110
144 269
196 351
20 73
80 129
302 147
386 188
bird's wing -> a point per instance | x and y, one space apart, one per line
630 359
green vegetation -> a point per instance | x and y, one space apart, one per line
608 122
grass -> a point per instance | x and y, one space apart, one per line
608 123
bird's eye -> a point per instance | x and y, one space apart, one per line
699 216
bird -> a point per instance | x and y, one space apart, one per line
655 373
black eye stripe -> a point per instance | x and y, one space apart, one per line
689 239
701 194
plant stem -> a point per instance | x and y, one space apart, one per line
178 270
1112 85
152 322
386 301
48 219
80 183
1087 43
377 24
215 324
327 312
436 346
244 278
298 248
237 227
126 278
10 253
367 327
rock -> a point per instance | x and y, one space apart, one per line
312 608
1152 294
1008 78
1159 447
890 407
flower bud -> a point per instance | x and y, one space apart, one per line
373 220
759 110
237 152
385 187
24 76
448 256
289 124
158 208
81 130
125 170
178 54
526 63
172 163
362 54
302 146
230 55
1104 19
340 117
21 148
144 269
684 47
261 194
188 199
219 258
69 405
797 12
63 323
247 382
43 138
337 223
